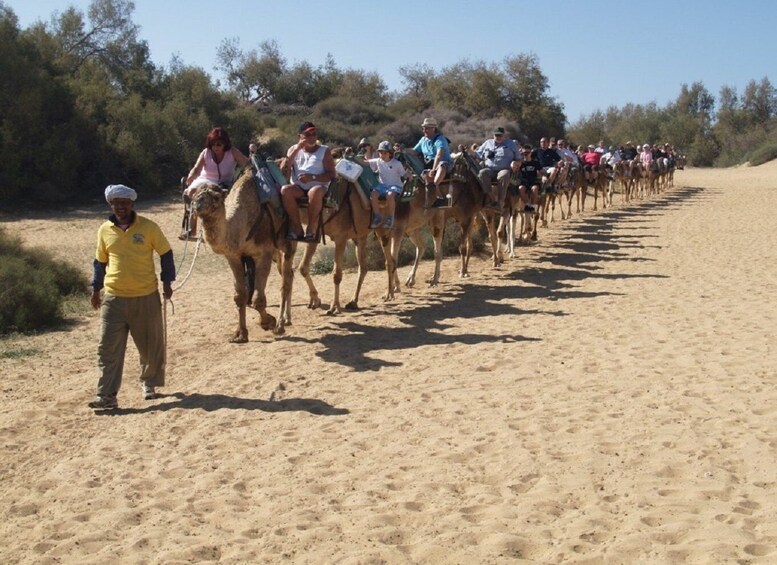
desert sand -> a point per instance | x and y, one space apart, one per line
606 397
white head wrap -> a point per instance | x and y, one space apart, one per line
119 191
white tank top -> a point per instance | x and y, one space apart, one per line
309 163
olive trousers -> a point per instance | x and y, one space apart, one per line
140 317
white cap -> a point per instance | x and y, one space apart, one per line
119 191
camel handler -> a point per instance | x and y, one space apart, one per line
124 267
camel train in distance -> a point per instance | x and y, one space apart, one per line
250 230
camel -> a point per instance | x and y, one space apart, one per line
570 189
237 226
566 188
409 219
466 200
630 180
350 220
517 217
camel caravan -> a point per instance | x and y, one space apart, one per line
346 195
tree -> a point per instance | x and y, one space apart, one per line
759 102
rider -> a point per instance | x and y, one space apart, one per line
312 169
548 158
436 152
611 159
591 160
215 165
501 157
390 175
529 171
630 152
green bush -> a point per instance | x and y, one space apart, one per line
763 154
33 286
29 298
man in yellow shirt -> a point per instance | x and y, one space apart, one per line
130 304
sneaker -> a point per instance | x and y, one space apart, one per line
377 220
389 223
149 392
104 403
528 208
439 203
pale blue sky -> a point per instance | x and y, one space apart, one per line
595 54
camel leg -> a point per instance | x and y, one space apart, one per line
304 270
417 240
465 248
361 261
493 237
437 234
337 277
391 266
511 235
259 303
396 244
286 270
240 298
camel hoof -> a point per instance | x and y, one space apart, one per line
279 330
314 303
268 323
239 338
352 305
464 275
333 311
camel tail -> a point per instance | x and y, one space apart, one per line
249 269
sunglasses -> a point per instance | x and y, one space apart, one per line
217 144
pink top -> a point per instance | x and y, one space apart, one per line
646 157
218 172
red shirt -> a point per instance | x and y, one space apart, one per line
591 158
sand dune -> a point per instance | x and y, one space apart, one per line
607 397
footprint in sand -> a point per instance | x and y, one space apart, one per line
758 549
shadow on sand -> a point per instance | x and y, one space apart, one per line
212 402
587 243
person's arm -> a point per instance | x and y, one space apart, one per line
196 168
329 168
240 159
168 273
98 280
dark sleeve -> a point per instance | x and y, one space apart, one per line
98 275
168 267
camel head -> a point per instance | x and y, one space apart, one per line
208 199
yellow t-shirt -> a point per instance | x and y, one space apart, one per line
129 254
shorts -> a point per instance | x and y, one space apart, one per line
385 189
447 164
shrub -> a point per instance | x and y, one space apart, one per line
763 154
33 286
29 298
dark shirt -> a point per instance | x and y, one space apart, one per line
529 172
547 157
629 154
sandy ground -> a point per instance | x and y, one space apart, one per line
607 397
